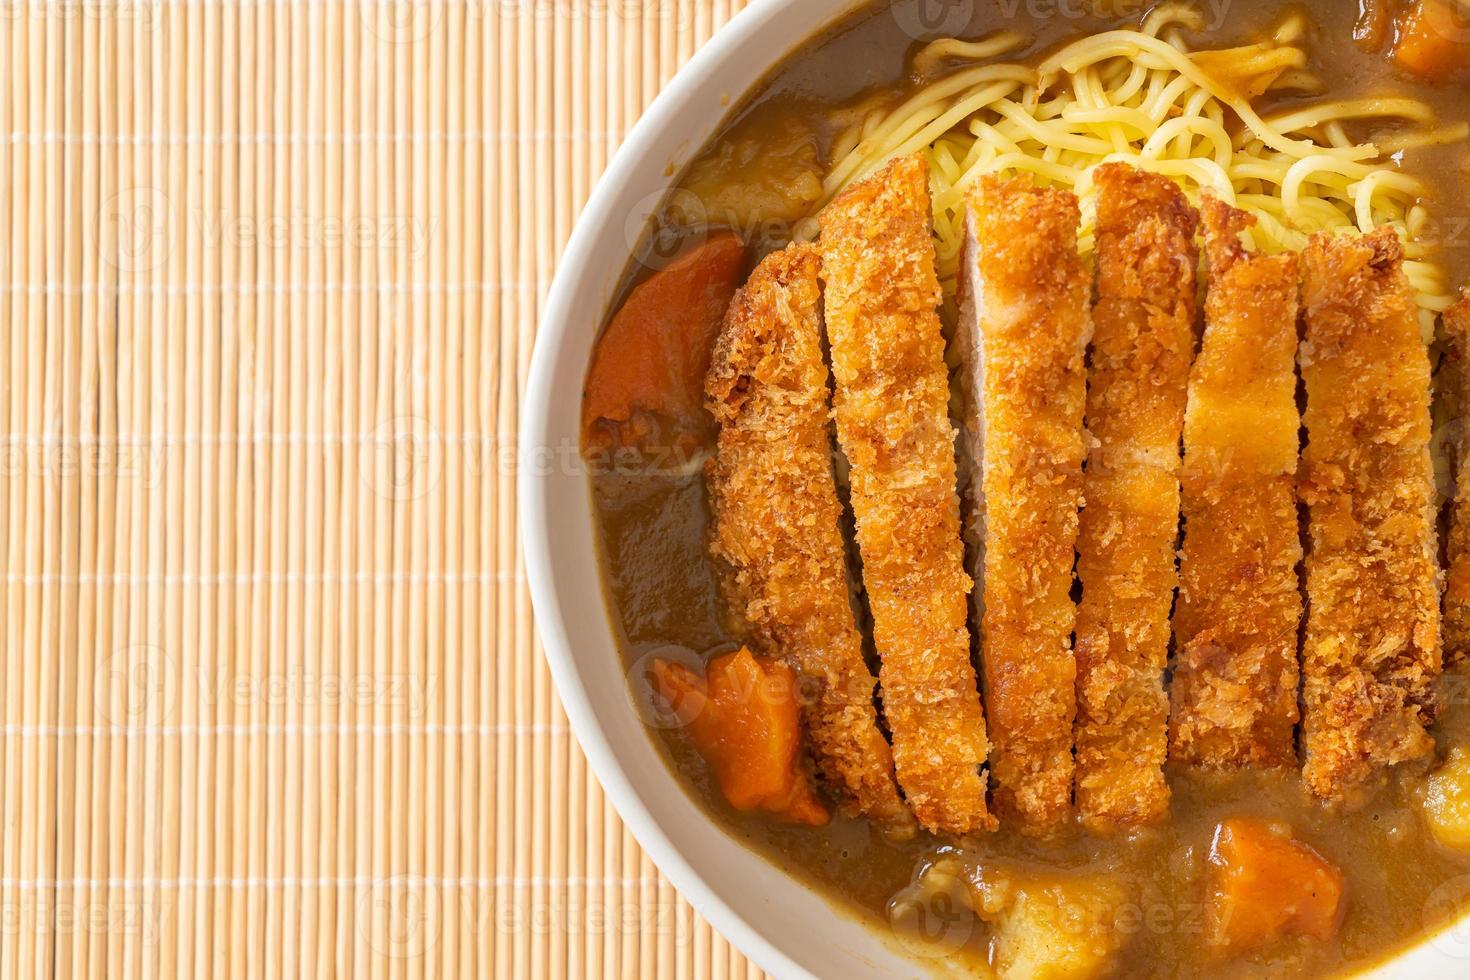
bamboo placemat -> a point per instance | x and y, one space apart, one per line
273 701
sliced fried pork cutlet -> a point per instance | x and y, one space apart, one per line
1234 690
891 403
1142 342
777 536
1455 372
1024 328
1372 647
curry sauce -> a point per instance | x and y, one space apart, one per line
1400 881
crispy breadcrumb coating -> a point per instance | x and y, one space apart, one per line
1372 647
1455 370
1028 296
1142 342
776 529
891 405
1234 691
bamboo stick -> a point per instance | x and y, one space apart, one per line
13 226
332 830
78 515
489 98
246 901
353 336
134 343
310 247
511 647
175 655
232 531
207 37
265 807
509 948
391 891
154 664
557 783
42 617
475 912
451 683
385 268
444 445
369 622
187 336
112 531
300 212
413 905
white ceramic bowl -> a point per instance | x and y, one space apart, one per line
783 926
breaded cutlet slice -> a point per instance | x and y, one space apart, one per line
891 403
1455 372
1142 343
1024 327
1234 691
1372 648
776 530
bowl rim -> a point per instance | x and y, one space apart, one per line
555 322
637 152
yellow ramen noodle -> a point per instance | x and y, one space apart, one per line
1143 97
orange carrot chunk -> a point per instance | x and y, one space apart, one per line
645 388
744 717
1434 40
1264 886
